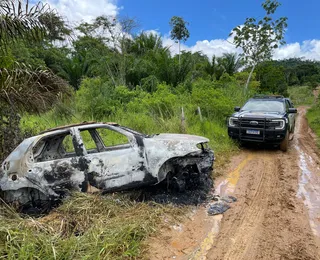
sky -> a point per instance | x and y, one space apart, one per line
210 21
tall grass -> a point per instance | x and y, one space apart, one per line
84 227
313 116
301 95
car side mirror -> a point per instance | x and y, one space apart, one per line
237 109
292 111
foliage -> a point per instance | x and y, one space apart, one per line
230 63
301 72
28 90
179 30
301 95
313 116
272 78
18 21
258 39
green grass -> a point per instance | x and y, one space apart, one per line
85 227
313 116
301 95
215 130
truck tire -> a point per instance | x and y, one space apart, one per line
285 143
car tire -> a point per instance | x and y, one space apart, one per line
285 143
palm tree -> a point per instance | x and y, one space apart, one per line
20 21
230 62
214 68
25 89
144 43
22 87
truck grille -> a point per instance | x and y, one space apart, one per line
253 123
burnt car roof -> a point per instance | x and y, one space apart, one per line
76 125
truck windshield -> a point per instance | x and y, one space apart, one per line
264 105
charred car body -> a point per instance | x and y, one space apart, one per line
104 156
264 119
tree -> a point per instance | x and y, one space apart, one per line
272 78
20 85
23 22
57 29
230 62
258 39
179 30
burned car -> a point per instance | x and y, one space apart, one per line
104 156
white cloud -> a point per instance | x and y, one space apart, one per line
309 49
213 47
84 10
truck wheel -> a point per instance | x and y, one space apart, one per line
285 143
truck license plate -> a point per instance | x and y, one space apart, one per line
253 132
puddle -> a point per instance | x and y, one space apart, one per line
309 189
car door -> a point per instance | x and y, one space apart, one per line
115 160
291 116
57 162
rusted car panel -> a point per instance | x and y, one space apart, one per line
41 167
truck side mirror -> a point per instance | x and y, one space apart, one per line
237 109
292 110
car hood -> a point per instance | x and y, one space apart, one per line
258 114
180 138
162 147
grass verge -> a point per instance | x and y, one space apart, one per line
313 116
86 226
301 95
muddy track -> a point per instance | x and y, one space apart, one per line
277 215
269 221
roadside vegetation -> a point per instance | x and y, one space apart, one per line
313 116
85 227
49 77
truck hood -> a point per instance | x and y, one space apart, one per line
258 114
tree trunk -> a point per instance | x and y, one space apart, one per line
249 78
179 53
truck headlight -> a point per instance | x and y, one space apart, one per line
280 124
233 121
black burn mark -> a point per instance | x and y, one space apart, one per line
58 172
139 167
78 147
92 180
140 144
82 164
148 178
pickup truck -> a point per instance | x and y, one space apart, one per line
264 119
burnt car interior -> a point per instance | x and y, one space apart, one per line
102 139
95 140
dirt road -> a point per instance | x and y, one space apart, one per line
277 215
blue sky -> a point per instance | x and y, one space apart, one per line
213 19
210 21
